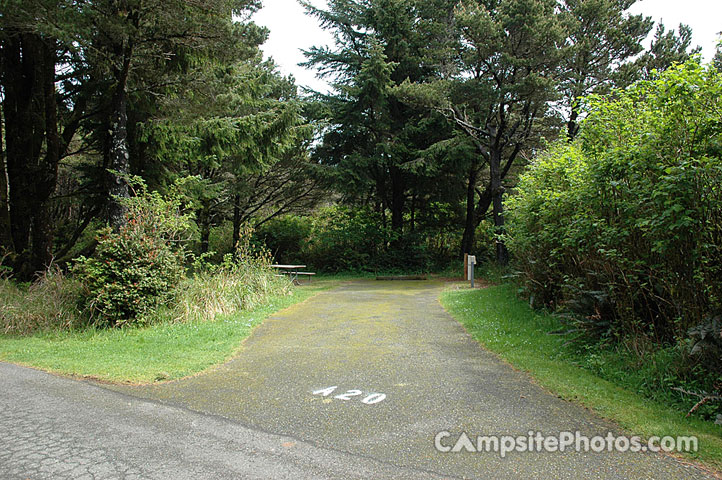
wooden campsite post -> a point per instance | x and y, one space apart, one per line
466 266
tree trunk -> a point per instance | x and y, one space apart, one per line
483 204
6 240
42 228
572 125
118 158
24 111
398 199
467 240
236 221
497 192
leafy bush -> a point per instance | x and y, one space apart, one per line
625 225
286 237
53 302
345 239
134 269
354 239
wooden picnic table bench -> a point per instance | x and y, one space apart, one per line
293 271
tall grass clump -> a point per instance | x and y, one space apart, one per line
245 280
53 302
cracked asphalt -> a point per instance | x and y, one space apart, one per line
353 383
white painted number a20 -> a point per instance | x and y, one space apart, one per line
325 391
369 399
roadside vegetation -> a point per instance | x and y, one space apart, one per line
159 351
612 297
142 309
621 233
609 380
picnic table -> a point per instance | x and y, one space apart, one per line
293 271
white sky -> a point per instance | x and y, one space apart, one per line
704 16
292 31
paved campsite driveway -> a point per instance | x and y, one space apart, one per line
403 369
394 338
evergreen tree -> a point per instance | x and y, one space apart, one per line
154 48
91 74
508 54
36 37
245 120
372 138
668 47
601 38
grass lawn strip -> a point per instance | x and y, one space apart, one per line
506 325
166 351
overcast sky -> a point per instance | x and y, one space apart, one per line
293 31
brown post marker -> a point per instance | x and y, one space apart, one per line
466 266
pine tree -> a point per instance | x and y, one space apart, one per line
507 56
601 38
667 48
372 138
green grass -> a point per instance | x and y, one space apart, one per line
507 326
164 351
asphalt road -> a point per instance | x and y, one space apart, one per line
403 371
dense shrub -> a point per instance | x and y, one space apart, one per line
285 237
624 227
345 239
134 269
342 238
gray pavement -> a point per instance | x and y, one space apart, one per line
57 428
403 371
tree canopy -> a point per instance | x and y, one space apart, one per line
436 108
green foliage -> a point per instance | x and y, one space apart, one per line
236 140
603 37
667 48
610 379
345 239
286 237
501 82
53 302
135 269
372 139
243 281
355 239
625 226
